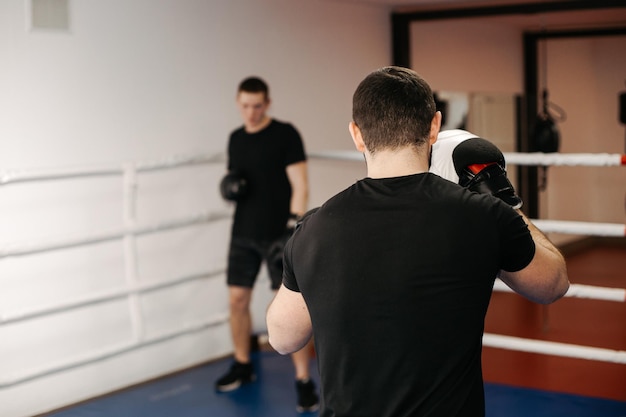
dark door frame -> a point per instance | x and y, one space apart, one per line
527 185
529 175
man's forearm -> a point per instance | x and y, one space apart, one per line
540 238
299 201
544 280
298 179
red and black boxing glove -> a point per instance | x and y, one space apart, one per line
474 163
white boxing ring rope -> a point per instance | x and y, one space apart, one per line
590 292
136 230
133 288
514 158
566 159
176 161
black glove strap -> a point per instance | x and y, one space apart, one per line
493 180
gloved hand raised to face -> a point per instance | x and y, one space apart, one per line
474 163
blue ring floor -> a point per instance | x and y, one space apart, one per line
191 394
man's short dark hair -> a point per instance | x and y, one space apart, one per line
393 107
254 85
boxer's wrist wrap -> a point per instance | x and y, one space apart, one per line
292 220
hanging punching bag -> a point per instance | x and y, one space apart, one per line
546 136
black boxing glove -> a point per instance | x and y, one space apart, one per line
490 179
233 186
276 249
474 163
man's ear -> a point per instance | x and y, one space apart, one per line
357 138
435 125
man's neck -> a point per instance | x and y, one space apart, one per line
265 122
396 163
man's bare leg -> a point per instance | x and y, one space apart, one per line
241 371
301 361
240 321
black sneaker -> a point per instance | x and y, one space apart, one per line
239 373
307 397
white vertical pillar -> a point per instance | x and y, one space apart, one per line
130 249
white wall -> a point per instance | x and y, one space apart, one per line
144 80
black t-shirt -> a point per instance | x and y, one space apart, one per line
397 275
262 158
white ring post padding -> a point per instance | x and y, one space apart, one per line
581 228
579 291
554 348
